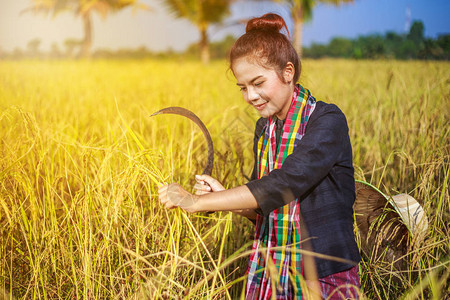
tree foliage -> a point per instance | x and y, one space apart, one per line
201 13
84 9
413 45
301 11
33 47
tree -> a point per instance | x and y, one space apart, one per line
301 11
416 33
393 42
316 51
33 47
70 45
54 51
202 13
371 46
340 47
84 9
443 41
392 45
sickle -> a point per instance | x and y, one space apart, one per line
190 115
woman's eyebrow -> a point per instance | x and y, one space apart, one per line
251 81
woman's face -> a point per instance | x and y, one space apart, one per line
263 89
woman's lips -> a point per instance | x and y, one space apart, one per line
261 106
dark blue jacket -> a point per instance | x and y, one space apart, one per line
320 173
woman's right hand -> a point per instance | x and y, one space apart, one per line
207 184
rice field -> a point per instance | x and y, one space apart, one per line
81 159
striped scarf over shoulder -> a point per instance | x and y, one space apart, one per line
275 267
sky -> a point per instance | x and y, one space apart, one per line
158 30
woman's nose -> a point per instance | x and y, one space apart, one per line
252 95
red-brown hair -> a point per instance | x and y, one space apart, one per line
264 43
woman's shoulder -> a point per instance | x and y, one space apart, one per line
325 107
328 109
327 115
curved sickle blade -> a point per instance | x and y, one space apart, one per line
190 115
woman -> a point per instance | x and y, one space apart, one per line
303 189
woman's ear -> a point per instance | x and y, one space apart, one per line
288 72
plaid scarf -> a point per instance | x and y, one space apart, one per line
277 271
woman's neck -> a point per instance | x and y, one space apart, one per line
287 105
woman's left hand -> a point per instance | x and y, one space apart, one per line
207 184
174 195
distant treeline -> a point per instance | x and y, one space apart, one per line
413 45
33 52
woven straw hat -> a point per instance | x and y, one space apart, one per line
412 214
388 227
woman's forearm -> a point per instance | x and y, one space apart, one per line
236 199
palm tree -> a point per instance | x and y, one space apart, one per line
301 11
84 9
202 13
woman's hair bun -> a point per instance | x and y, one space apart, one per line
266 42
270 22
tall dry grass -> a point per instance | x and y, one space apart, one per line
80 160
